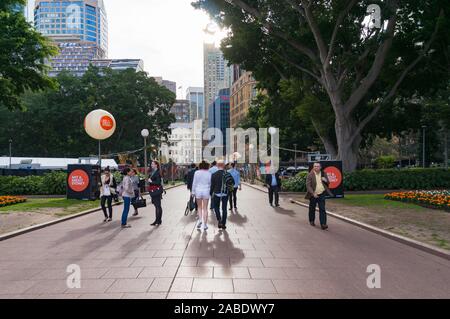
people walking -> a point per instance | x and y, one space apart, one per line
107 191
137 191
190 180
222 184
317 187
127 195
237 186
213 169
201 189
156 190
273 184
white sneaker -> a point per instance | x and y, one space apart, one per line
199 224
205 227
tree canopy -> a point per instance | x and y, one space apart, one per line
345 70
52 122
23 55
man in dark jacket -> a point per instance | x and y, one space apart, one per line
190 179
190 176
317 188
273 184
221 183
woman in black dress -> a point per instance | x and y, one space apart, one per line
156 190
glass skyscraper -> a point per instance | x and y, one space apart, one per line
79 28
195 96
219 113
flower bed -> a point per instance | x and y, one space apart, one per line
11 200
438 199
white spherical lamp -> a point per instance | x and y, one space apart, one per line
272 130
100 124
145 133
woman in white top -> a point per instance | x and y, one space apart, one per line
201 188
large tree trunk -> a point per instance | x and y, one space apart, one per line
348 146
328 143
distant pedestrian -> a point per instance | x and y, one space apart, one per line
222 185
107 191
137 192
273 184
201 187
237 186
190 180
127 195
212 170
317 187
156 191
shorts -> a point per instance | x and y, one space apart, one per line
202 195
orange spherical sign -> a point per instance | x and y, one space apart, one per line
334 176
78 180
107 123
100 124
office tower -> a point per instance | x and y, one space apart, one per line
172 86
181 110
219 114
243 91
195 96
216 76
78 27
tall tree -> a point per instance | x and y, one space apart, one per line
333 49
22 56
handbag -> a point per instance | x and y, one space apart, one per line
190 206
140 202
155 190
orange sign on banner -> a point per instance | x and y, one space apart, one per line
78 180
334 176
106 123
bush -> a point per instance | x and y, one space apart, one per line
385 161
369 179
50 184
296 183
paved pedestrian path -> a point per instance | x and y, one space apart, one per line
266 252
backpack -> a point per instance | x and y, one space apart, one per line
227 183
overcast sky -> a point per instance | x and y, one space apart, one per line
167 34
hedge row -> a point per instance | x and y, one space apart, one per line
380 179
49 184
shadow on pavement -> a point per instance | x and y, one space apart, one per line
282 211
236 218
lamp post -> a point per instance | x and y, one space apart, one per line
145 133
424 127
10 153
252 179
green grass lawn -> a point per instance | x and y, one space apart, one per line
65 206
376 200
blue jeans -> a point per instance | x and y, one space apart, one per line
126 209
224 201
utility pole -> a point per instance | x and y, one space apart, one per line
10 153
423 146
446 148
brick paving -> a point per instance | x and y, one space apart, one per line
266 252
